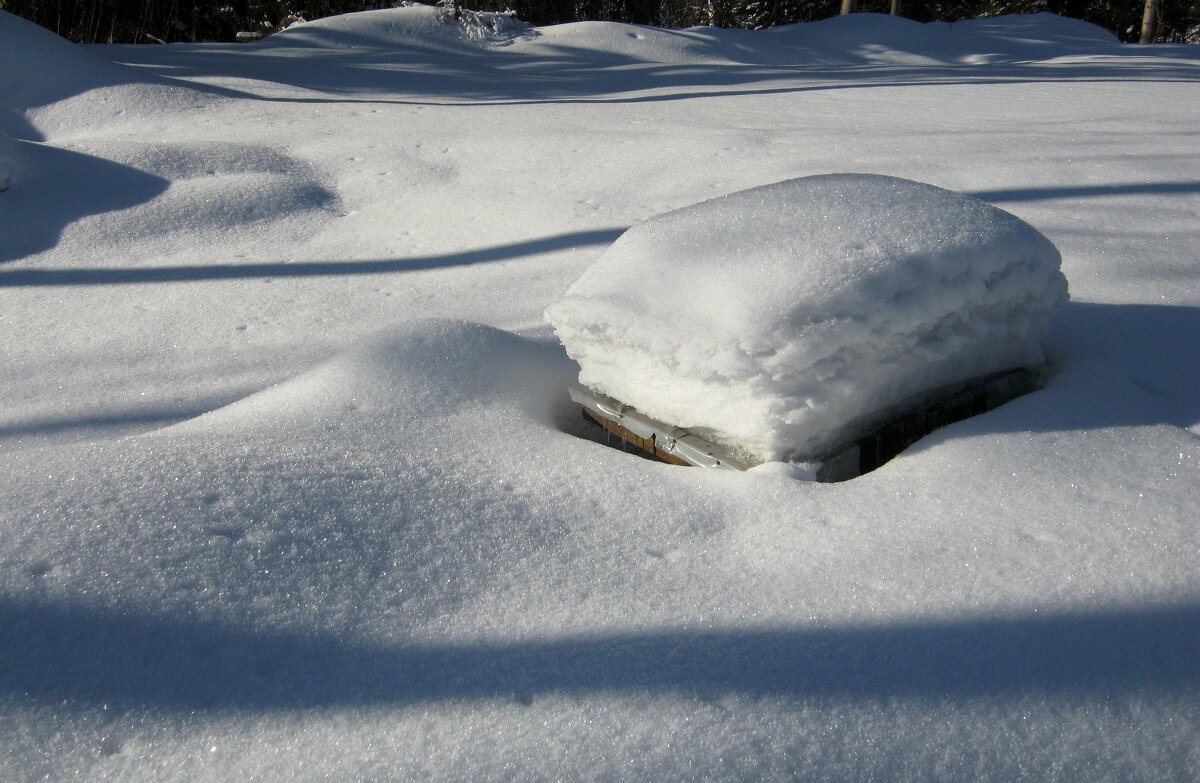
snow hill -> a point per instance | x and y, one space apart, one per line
290 488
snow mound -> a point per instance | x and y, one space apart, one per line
220 187
881 39
775 317
627 42
414 26
412 372
63 70
1041 28
75 90
855 39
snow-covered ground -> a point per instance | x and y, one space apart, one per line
290 488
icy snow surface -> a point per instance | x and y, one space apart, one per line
779 315
290 488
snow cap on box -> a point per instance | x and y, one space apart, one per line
776 318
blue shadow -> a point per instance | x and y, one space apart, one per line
54 653
342 66
1088 191
18 278
56 187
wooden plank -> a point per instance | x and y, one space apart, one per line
648 446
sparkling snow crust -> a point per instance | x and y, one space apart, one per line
290 487
778 316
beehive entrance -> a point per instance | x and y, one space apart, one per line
870 443
624 437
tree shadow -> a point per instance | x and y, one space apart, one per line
1111 365
1088 191
55 653
19 278
340 69
124 422
55 187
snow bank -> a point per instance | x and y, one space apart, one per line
64 88
777 316
629 43
855 39
419 371
62 70
417 26
1042 29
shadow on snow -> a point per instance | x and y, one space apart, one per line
58 187
53 653
1112 365
337 71
128 187
1087 191
18 278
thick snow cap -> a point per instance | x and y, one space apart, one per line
779 317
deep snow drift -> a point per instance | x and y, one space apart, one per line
777 316
290 488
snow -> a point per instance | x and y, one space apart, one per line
778 316
10 157
1037 31
417 27
290 487
62 70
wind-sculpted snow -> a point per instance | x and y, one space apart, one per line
220 186
416 26
51 188
41 68
779 315
63 87
412 373
420 31
1041 30
291 488
840 40
161 194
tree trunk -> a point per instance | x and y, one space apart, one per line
850 6
894 8
1149 21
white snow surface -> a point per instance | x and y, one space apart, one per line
784 316
417 27
290 487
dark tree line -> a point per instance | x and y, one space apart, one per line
150 21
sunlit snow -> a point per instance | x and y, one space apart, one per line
290 487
